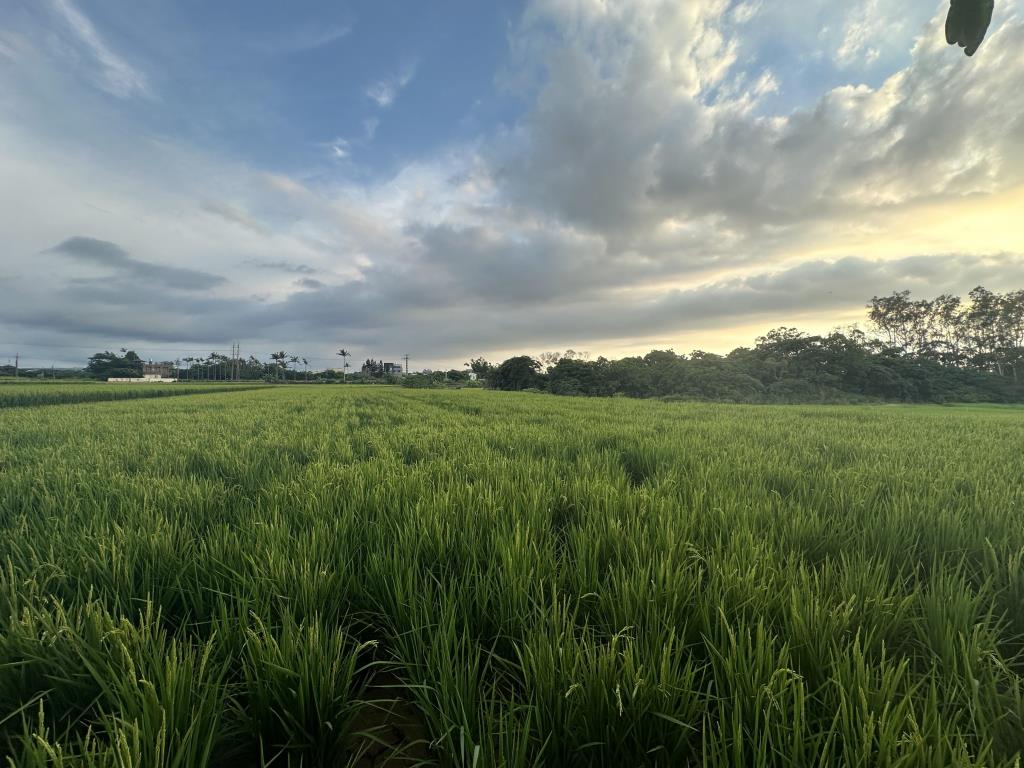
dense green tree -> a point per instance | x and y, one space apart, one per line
105 365
571 376
517 373
986 333
480 367
939 350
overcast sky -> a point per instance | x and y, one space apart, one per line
456 178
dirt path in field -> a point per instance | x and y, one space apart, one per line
396 736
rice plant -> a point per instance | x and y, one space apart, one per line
18 395
310 576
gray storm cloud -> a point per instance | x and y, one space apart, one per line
106 254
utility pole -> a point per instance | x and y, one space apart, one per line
406 359
16 357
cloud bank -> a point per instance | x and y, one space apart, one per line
661 185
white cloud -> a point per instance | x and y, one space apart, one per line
578 157
648 190
385 91
114 75
339 149
746 11
869 25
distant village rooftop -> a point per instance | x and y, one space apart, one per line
151 373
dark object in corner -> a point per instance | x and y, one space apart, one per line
967 23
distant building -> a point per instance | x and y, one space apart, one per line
156 370
373 368
152 373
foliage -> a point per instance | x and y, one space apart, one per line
422 381
247 579
281 366
985 334
785 366
373 367
104 365
932 351
27 394
548 360
480 367
436 379
517 373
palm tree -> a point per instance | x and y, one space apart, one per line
344 354
293 360
217 365
280 359
252 367
305 366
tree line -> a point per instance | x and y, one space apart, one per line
214 367
938 350
945 349
986 333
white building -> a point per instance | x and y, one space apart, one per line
155 373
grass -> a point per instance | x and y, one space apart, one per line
249 579
16 394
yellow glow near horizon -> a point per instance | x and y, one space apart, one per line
988 224
983 224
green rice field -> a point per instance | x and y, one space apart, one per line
16 394
370 576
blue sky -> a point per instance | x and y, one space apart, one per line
464 178
276 85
